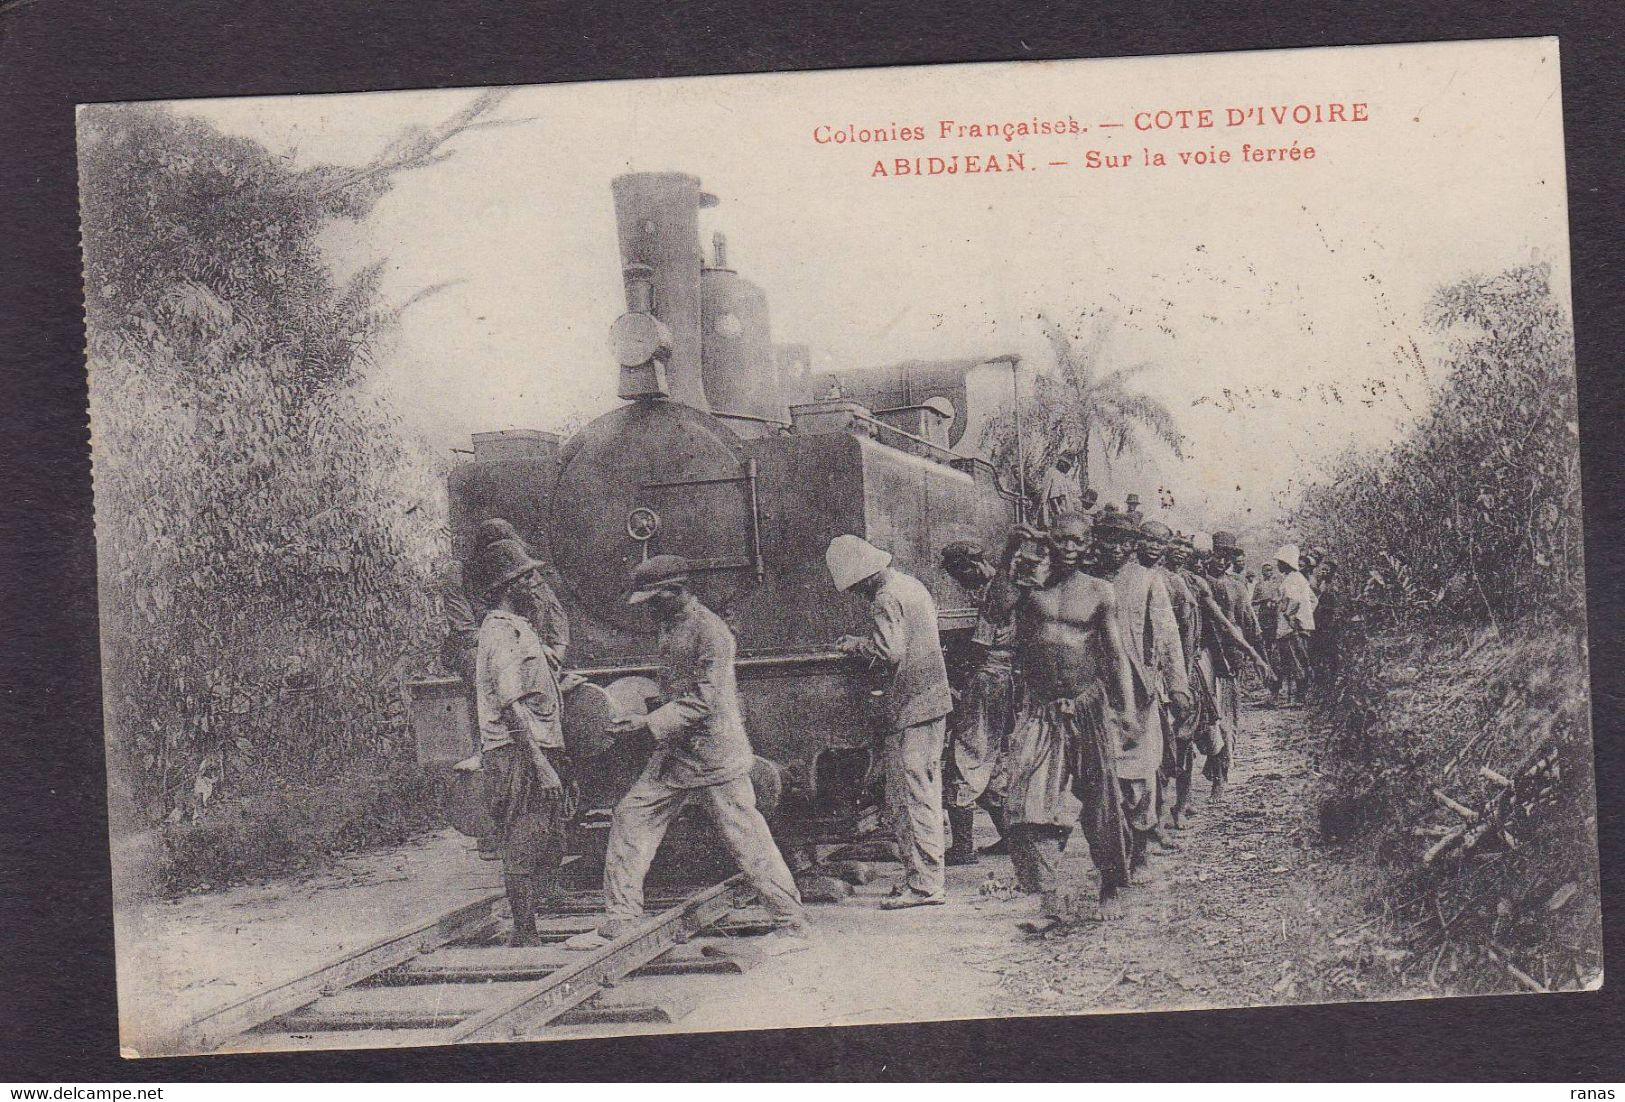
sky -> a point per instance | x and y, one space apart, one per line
1297 287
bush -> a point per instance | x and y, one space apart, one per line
297 827
1457 746
265 531
1476 513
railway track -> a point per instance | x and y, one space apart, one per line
451 980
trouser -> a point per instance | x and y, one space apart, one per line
1294 658
640 823
914 802
962 819
1139 801
1227 706
529 828
1035 853
1181 770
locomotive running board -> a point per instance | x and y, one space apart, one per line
548 999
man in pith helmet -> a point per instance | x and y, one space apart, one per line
1295 623
904 645
701 753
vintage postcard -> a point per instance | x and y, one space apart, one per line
840 548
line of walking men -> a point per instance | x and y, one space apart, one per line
1105 656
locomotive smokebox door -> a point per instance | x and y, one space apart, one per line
655 478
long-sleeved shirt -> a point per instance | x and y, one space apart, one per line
905 641
699 731
511 672
1146 617
1232 595
1297 605
1059 494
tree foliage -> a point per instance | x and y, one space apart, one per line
1476 512
265 531
1084 406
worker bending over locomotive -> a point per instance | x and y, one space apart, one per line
701 753
905 645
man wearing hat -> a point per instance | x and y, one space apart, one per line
551 624
1151 638
904 645
982 673
1131 506
521 737
701 753
1295 622
1060 492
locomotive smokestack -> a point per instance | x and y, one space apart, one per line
657 215
719 250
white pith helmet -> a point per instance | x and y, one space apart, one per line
851 559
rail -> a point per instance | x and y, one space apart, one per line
209 1032
446 981
549 998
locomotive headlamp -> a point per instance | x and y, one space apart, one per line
637 339
640 342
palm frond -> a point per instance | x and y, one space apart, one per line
1146 412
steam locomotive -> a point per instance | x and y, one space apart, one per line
729 451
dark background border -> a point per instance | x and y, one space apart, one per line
57 1005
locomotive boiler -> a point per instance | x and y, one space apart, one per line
727 454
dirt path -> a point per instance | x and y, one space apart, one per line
1225 923
1225 919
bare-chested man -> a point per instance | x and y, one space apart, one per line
1064 753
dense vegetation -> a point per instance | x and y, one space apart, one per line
266 534
1476 513
1456 741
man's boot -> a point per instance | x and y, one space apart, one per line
522 902
962 824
